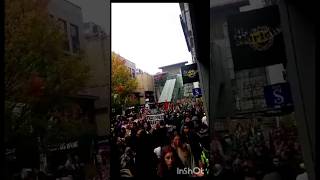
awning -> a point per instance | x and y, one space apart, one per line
166 94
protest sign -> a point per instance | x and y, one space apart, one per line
153 119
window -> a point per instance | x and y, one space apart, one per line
64 28
95 29
75 38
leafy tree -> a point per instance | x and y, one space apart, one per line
68 124
122 84
34 48
39 73
132 100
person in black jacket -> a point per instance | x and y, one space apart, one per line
145 158
178 121
190 137
160 135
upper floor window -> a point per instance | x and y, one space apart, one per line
75 38
64 28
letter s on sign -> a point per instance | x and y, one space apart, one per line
279 98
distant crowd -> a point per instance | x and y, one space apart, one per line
251 154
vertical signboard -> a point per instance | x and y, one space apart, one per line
256 39
190 73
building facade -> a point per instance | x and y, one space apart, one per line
97 51
173 68
159 81
169 85
131 67
226 87
186 24
145 87
69 17
94 43
234 91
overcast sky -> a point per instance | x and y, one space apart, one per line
97 11
148 34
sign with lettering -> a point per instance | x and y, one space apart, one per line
190 73
278 95
197 92
153 119
65 146
157 117
256 39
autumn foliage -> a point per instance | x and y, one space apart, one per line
122 83
39 73
34 45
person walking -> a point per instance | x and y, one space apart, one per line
183 151
190 137
145 159
168 165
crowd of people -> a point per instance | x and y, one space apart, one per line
174 146
254 154
70 169
179 145
73 168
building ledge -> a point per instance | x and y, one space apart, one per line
172 65
73 4
222 3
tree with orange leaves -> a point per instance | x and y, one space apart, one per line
122 83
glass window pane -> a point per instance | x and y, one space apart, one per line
75 38
64 28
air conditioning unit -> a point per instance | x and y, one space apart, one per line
91 29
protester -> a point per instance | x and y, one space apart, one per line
204 119
304 174
184 151
191 138
127 159
168 165
145 159
272 171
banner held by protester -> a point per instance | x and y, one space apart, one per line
153 119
